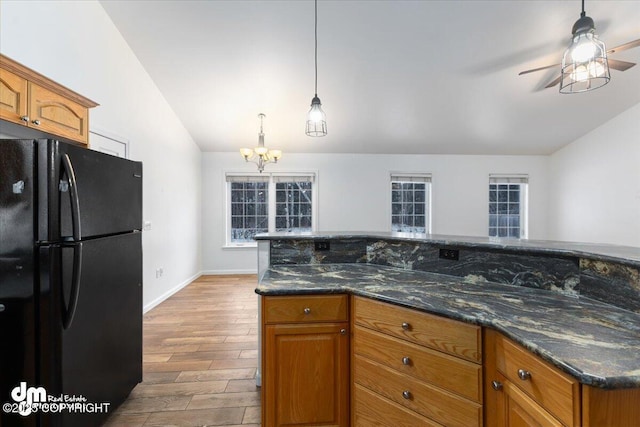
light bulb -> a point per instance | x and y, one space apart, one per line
275 154
261 151
583 50
596 69
316 113
580 74
246 152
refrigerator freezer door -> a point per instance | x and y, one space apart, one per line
109 192
99 354
17 299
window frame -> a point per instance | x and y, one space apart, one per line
412 177
272 178
511 179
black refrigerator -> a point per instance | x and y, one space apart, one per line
70 282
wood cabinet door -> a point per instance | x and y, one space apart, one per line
13 97
306 375
57 115
519 410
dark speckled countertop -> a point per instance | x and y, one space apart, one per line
597 251
598 344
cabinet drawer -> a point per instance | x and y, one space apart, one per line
430 401
556 391
449 372
302 309
371 410
446 335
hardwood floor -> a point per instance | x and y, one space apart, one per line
200 356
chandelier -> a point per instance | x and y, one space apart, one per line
260 155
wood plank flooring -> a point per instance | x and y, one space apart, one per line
199 358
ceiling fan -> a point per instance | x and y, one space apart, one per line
585 64
613 63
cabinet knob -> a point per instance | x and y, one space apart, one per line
496 385
406 394
36 122
406 326
343 331
524 375
307 310
24 118
406 361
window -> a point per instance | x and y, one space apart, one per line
293 203
410 203
508 206
268 202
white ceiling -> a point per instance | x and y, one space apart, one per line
393 76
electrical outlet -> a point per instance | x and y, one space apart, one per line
451 254
322 245
159 273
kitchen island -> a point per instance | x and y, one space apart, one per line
573 307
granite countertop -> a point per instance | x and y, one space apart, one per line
596 343
628 255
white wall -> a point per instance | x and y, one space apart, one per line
76 44
595 185
354 195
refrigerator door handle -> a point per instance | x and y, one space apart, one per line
73 192
67 318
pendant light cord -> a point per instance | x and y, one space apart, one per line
583 12
316 45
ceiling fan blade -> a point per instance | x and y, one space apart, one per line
616 64
533 70
625 46
553 83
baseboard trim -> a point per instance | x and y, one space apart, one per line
224 272
170 292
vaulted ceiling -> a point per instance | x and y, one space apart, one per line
393 76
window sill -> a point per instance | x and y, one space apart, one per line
240 246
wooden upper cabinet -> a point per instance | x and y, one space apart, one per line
53 113
13 97
32 100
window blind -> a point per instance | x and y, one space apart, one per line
294 178
246 178
508 179
411 177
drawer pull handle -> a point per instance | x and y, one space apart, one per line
307 311
406 326
496 385
406 361
406 394
343 331
524 375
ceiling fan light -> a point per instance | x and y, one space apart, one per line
584 64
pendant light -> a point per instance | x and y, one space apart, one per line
316 119
260 155
584 64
